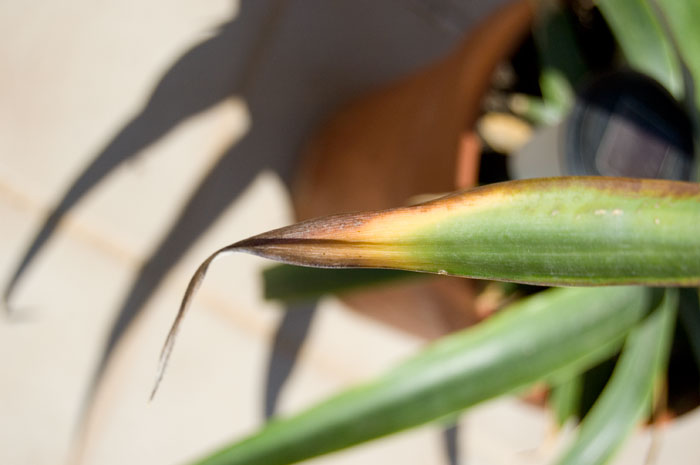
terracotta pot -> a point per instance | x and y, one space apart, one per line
412 137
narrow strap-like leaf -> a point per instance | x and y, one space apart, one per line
293 283
627 396
587 231
643 41
565 398
555 231
539 336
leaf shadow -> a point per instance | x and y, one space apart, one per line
270 55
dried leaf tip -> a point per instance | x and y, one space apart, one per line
192 287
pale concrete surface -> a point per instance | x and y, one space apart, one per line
77 72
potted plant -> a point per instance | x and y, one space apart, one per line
619 233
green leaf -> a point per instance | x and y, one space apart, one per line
561 63
556 90
534 109
565 398
558 51
661 39
643 41
555 330
294 283
682 17
555 231
627 396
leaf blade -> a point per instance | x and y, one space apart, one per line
627 395
459 371
293 283
643 41
575 231
558 231
565 399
